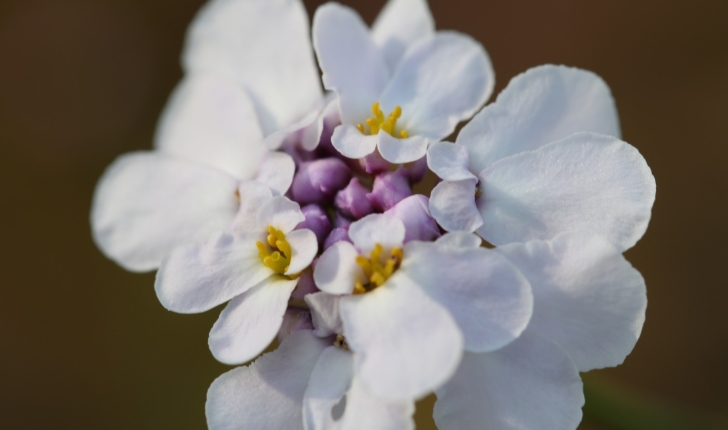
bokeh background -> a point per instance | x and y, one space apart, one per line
86 345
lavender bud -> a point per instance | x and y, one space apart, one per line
337 235
414 213
389 189
316 221
318 181
305 285
374 163
352 201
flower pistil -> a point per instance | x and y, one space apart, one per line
276 254
375 270
378 122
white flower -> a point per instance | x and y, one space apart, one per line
307 383
255 266
589 308
521 169
398 95
408 311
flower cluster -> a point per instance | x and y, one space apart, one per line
296 208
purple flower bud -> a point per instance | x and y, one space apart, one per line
318 181
337 235
342 221
414 213
352 201
305 285
294 320
316 221
374 163
389 189
416 170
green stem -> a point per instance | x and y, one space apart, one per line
614 407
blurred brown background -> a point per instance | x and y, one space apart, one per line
86 345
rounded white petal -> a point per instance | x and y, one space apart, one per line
351 143
460 240
252 196
267 394
529 384
211 120
439 82
449 161
281 213
542 105
324 313
335 399
195 278
452 204
276 171
406 344
588 298
146 204
487 296
304 247
251 321
350 61
336 270
276 139
400 24
400 151
584 182
264 46
374 229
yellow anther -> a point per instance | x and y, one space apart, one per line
276 255
376 269
379 122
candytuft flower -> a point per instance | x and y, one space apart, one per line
531 165
255 267
397 100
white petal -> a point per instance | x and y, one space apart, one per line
146 204
263 45
329 118
460 239
304 247
268 394
400 24
276 139
588 298
281 213
212 121
440 81
449 161
351 143
406 344
488 297
195 278
452 204
276 171
530 384
542 105
350 61
400 151
250 322
336 270
374 229
324 313
252 196
335 399
586 181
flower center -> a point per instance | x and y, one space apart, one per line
378 122
376 271
276 254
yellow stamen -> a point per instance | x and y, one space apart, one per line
376 270
379 122
276 254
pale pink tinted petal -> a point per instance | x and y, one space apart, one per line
584 182
146 204
250 322
267 394
529 384
276 171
